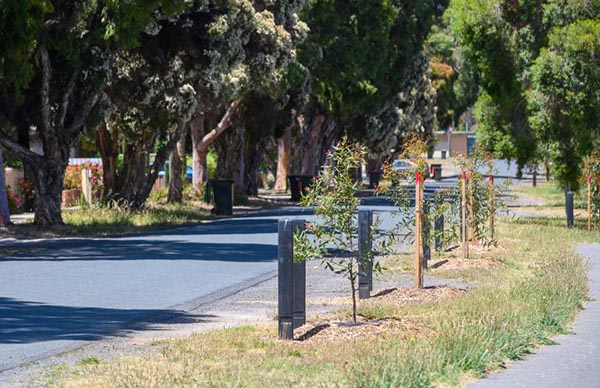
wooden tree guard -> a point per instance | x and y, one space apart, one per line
589 203
492 206
464 226
418 231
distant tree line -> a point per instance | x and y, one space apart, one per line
256 81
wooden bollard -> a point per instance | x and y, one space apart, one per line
464 224
365 254
418 232
438 226
291 279
569 208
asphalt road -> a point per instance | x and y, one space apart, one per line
68 292
575 362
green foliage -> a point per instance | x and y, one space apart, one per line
591 174
536 62
363 51
566 96
19 27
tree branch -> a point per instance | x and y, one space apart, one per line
64 105
82 115
27 155
45 95
225 123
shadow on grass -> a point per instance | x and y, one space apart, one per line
580 224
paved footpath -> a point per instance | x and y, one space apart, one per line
575 363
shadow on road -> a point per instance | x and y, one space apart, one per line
29 322
148 249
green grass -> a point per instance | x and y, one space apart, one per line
550 194
515 308
105 221
110 221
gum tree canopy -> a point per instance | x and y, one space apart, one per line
537 62
359 57
55 61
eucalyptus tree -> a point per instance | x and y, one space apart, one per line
57 59
509 44
565 97
358 57
411 111
251 46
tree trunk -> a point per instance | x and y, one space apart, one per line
312 144
201 142
199 170
177 168
230 148
254 155
4 210
108 145
48 183
283 159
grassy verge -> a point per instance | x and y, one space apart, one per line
104 221
550 194
531 296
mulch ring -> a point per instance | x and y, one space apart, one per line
326 330
458 264
403 296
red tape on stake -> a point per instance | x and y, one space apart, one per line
464 175
418 177
590 180
491 178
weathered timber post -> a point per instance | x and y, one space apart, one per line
471 208
589 203
365 254
569 208
418 233
492 205
292 281
535 177
426 234
464 226
86 185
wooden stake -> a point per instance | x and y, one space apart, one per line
418 233
471 208
589 203
492 205
464 226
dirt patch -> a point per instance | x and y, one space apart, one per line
326 330
335 331
457 264
403 296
